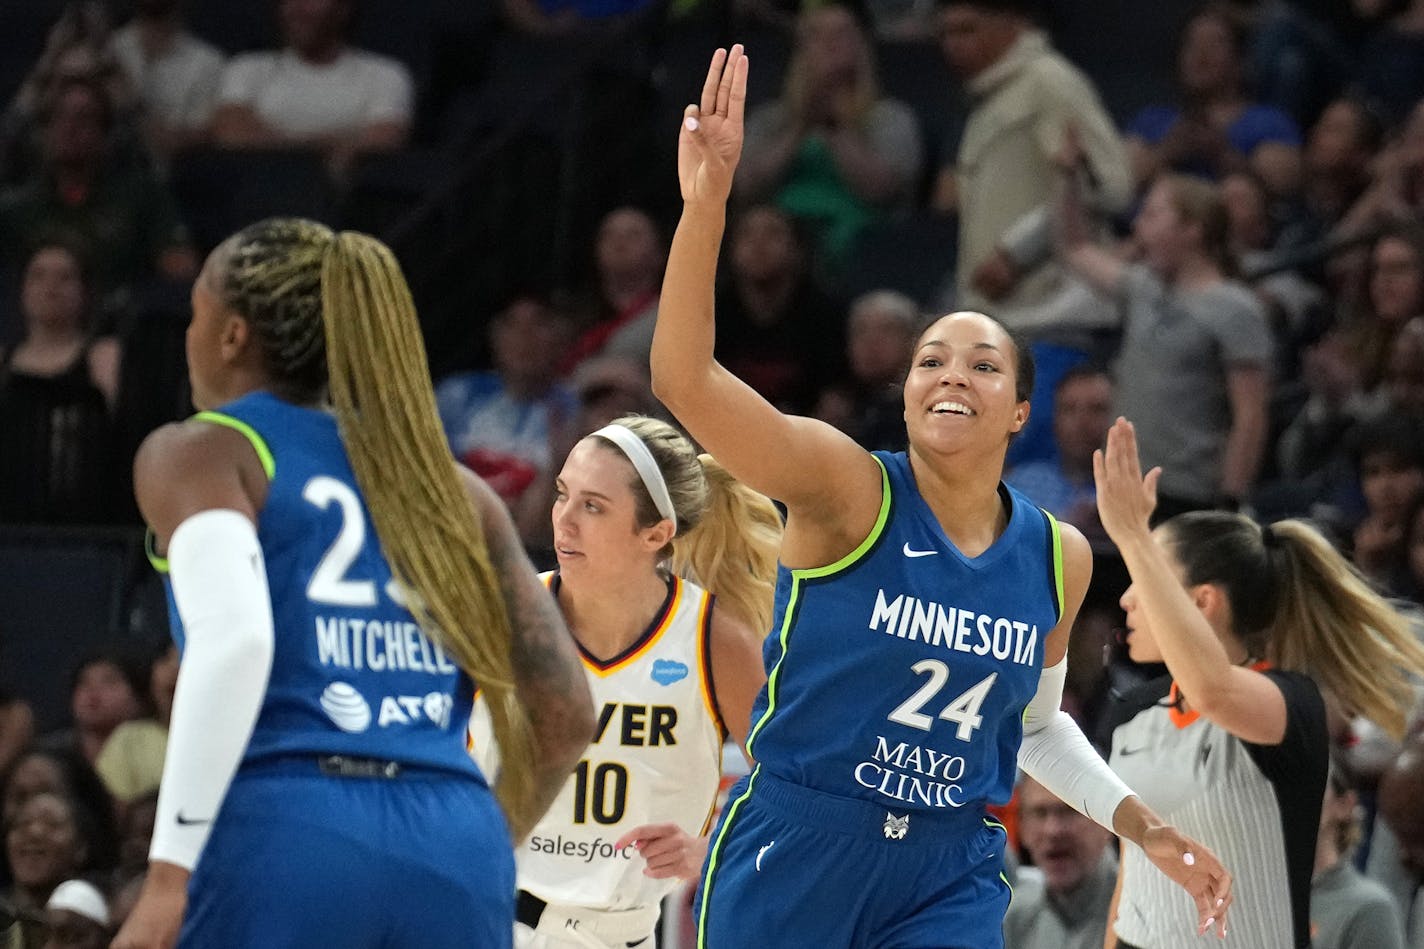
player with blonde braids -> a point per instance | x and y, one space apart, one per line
646 531
337 585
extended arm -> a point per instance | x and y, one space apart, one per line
200 488
1243 701
819 472
1057 755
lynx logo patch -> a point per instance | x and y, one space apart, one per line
896 827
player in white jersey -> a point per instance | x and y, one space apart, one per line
673 672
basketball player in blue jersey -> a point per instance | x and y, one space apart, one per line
646 531
921 624
335 583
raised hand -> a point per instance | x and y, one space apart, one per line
1126 499
1195 869
710 143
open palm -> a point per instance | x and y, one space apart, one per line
710 143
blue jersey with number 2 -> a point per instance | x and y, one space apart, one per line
353 673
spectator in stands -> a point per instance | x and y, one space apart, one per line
124 216
174 74
77 917
832 151
609 387
629 253
1394 294
1193 369
131 761
1403 384
105 692
76 47
868 404
58 386
57 309
776 330
1294 306
1025 95
1082 414
1340 149
1389 463
500 422
1312 453
46 842
316 92
1401 790
1347 911
66 773
1396 190
1216 128
1063 902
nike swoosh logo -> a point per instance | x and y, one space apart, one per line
761 853
1130 751
909 552
192 821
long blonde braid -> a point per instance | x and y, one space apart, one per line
333 312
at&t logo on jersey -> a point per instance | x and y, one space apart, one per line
349 711
346 708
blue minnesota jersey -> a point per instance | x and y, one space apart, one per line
352 673
899 674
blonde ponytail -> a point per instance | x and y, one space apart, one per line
1333 625
1298 603
429 529
733 549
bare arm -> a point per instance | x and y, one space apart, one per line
1247 389
1240 700
548 677
737 673
1073 239
826 479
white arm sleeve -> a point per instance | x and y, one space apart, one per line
1057 755
220 586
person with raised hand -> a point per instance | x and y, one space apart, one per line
1232 744
922 614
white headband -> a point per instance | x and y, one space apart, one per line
81 898
643 463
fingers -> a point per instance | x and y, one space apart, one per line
645 833
713 80
724 90
737 100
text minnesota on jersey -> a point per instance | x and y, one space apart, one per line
920 774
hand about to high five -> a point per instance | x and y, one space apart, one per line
1126 499
710 144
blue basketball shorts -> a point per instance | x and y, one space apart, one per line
302 859
792 867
